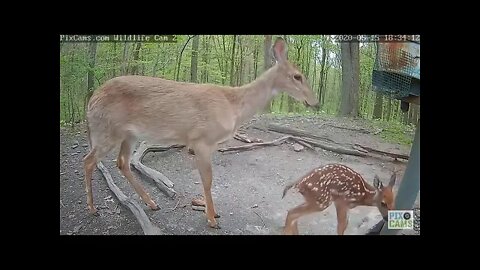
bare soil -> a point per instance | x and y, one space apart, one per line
247 186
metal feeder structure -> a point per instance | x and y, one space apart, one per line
396 74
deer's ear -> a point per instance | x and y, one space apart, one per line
392 180
280 50
377 183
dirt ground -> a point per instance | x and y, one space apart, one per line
247 186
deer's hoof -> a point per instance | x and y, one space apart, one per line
216 215
154 207
214 225
93 211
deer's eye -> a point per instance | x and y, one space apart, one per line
297 77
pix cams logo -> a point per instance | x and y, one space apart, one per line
400 219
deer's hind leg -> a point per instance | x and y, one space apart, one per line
123 163
309 207
96 154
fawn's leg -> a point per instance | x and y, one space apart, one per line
89 164
291 226
342 219
204 165
123 163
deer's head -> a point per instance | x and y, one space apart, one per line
384 197
289 79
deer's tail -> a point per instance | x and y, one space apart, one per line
288 187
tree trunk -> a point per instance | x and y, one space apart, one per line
205 60
377 109
194 62
124 59
267 61
180 57
267 56
255 60
389 109
136 54
322 70
92 51
350 79
114 69
232 63
154 72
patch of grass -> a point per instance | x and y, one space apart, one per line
394 132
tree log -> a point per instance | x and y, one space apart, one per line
147 226
361 130
297 132
254 145
393 155
163 183
244 138
336 149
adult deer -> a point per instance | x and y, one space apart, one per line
345 188
129 108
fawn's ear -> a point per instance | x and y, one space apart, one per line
377 183
392 180
280 50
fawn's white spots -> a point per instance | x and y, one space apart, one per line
309 184
315 189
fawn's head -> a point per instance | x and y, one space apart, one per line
289 79
384 198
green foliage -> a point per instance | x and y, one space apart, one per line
394 131
214 62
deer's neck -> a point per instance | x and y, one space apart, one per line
370 193
255 96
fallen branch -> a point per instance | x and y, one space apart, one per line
361 130
393 155
147 226
335 149
299 141
255 145
163 183
297 132
244 138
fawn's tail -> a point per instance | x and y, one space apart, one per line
288 187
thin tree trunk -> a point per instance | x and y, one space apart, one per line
124 59
180 57
154 72
267 61
377 108
232 63
194 62
350 79
389 109
92 51
136 54
114 69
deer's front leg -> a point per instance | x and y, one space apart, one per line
204 166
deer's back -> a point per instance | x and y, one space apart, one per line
330 181
157 108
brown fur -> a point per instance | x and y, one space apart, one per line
338 184
131 108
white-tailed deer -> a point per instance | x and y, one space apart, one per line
345 188
129 108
